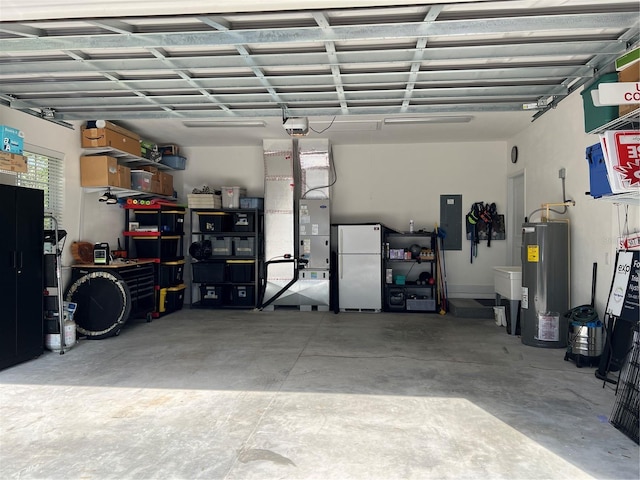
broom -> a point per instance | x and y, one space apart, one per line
442 283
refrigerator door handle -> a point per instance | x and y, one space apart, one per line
340 247
340 266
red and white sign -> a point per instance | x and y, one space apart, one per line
622 159
619 93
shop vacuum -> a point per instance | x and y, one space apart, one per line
585 332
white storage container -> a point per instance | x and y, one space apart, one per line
231 196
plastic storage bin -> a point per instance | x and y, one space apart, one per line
421 304
213 295
598 178
170 273
252 202
208 272
161 307
243 295
243 222
221 246
169 222
174 161
241 271
231 196
244 246
175 298
595 117
141 180
151 247
214 221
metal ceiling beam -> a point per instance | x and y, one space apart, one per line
310 81
211 98
418 57
115 26
310 112
486 26
21 30
26 66
81 56
222 25
598 62
330 47
227 101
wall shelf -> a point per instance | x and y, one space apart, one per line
632 198
124 192
629 121
124 158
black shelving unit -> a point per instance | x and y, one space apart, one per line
226 257
410 262
161 239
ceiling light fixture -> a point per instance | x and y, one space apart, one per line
225 124
434 119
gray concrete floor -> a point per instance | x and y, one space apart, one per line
219 394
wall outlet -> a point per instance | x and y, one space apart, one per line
562 173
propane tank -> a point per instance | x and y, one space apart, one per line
69 333
52 340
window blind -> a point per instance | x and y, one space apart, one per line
45 172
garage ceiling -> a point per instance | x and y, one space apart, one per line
484 60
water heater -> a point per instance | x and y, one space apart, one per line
545 284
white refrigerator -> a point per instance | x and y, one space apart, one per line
360 267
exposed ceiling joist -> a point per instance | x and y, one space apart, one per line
490 56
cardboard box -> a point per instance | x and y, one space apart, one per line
169 149
99 171
149 168
630 74
629 59
124 177
112 136
166 184
13 162
156 186
12 139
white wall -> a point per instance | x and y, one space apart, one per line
557 140
390 184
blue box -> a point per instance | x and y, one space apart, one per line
12 140
598 178
252 202
399 279
174 161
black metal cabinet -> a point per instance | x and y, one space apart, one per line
410 272
21 274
